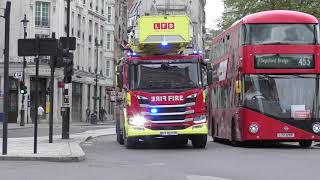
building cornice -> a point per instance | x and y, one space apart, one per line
92 12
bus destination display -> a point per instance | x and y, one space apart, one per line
284 61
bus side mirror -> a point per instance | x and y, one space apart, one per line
209 74
238 87
119 80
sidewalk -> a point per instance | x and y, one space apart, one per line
21 149
30 125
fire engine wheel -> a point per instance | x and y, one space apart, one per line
305 143
120 139
199 141
130 142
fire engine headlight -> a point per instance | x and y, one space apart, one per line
137 120
316 127
254 128
200 119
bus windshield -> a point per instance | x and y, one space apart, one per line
282 96
264 34
164 76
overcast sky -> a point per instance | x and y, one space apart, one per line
214 9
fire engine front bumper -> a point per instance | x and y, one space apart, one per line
140 131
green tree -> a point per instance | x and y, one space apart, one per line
240 8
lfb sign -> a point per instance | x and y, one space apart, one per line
168 25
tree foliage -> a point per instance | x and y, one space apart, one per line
240 8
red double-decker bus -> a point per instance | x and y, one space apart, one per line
266 79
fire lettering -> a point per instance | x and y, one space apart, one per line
164 98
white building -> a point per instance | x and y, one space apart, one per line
90 20
193 8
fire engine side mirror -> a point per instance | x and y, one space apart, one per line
119 80
209 74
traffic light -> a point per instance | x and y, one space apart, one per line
23 88
68 68
59 60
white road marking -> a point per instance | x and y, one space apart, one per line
154 164
196 177
87 143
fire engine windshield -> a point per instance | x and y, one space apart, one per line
164 76
282 96
263 34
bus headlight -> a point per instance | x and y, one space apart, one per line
253 128
200 119
316 127
137 120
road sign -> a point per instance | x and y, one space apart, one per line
66 102
18 75
72 43
35 47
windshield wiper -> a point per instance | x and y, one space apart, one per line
273 42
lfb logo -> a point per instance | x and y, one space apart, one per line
163 25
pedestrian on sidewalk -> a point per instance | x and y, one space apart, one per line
88 114
40 112
102 114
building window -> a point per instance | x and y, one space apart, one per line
42 14
108 41
109 14
108 68
41 36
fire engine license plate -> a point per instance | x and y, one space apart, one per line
285 135
168 133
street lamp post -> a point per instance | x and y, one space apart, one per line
96 80
25 23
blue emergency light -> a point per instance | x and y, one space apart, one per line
164 43
132 54
154 110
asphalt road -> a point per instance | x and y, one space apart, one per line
106 159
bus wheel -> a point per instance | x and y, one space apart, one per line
199 141
120 139
234 142
305 143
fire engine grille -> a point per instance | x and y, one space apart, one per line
168 127
171 109
167 117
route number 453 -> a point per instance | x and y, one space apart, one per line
305 61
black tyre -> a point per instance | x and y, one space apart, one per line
305 143
199 141
234 141
120 139
183 141
130 142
